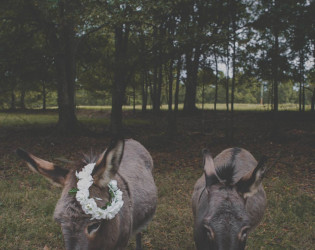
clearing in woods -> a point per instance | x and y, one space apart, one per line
27 200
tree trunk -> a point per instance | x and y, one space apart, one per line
22 99
116 114
159 88
144 78
172 125
44 95
275 127
134 98
303 97
231 134
170 86
13 103
300 96
313 101
154 89
261 94
64 44
301 82
150 88
276 71
203 108
192 66
233 63
179 66
216 81
172 115
120 73
227 80
65 63
302 78
144 90
313 96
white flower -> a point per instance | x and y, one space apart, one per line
84 184
82 175
82 195
86 171
113 184
89 205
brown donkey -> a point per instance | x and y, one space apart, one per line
228 200
128 207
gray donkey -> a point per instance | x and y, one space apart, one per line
228 199
125 161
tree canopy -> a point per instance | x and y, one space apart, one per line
158 52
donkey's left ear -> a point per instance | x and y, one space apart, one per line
55 174
108 163
249 184
209 169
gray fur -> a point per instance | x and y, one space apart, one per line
220 210
135 180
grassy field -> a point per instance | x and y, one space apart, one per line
210 106
220 106
27 200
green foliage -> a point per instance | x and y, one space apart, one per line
34 33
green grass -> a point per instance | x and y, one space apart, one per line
27 200
28 204
289 220
22 119
17 120
220 106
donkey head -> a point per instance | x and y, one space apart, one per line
224 218
79 231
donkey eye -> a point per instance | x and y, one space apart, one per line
244 233
92 228
210 232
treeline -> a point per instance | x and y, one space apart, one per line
156 51
250 93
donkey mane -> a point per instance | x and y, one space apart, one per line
86 159
90 158
226 174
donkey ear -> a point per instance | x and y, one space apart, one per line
209 169
53 173
249 184
108 164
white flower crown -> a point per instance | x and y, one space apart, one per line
89 206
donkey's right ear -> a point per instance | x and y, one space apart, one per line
249 184
108 163
53 173
209 169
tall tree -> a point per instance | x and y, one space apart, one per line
194 21
300 41
120 76
272 24
64 25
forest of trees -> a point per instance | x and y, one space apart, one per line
156 52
